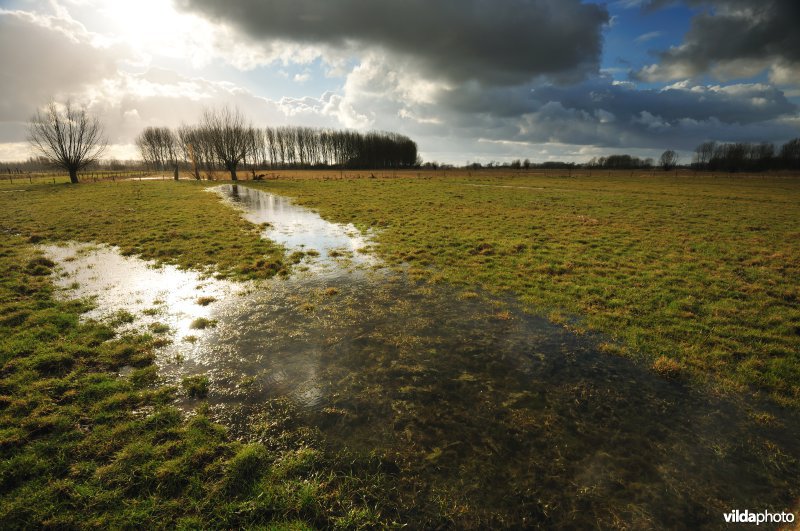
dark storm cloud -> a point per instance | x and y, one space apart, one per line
750 32
496 43
742 104
600 113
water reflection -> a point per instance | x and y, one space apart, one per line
156 295
297 228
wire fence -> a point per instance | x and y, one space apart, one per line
63 177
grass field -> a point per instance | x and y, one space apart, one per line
81 446
178 224
698 277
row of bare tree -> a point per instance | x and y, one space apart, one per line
224 140
745 156
667 161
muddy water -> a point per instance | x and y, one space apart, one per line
484 414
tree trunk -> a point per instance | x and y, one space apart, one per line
73 176
233 174
176 173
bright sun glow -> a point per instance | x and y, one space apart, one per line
156 28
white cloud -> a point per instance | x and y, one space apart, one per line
14 151
648 37
733 40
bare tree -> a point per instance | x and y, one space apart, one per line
668 160
68 137
159 148
187 144
229 137
704 153
790 154
255 149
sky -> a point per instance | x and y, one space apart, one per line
468 80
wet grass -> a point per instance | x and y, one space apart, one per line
195 386
201 323
81 446
167 222
205 301
698 276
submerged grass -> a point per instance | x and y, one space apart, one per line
697 275
82 447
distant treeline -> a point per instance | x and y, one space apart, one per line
223 140
710 156
621 162
744 156
310 147
610 162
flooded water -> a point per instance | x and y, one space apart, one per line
297 228
151 295
483 413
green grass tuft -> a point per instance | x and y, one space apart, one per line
195 386
201 323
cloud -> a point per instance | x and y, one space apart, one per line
606 114
45 57
734 39
648 37
52 56
600 112
429 79
505 121
158 97
629 4
493 43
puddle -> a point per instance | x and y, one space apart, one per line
492 416
298 228
518 421
152 295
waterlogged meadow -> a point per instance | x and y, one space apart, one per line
456 362
697 275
